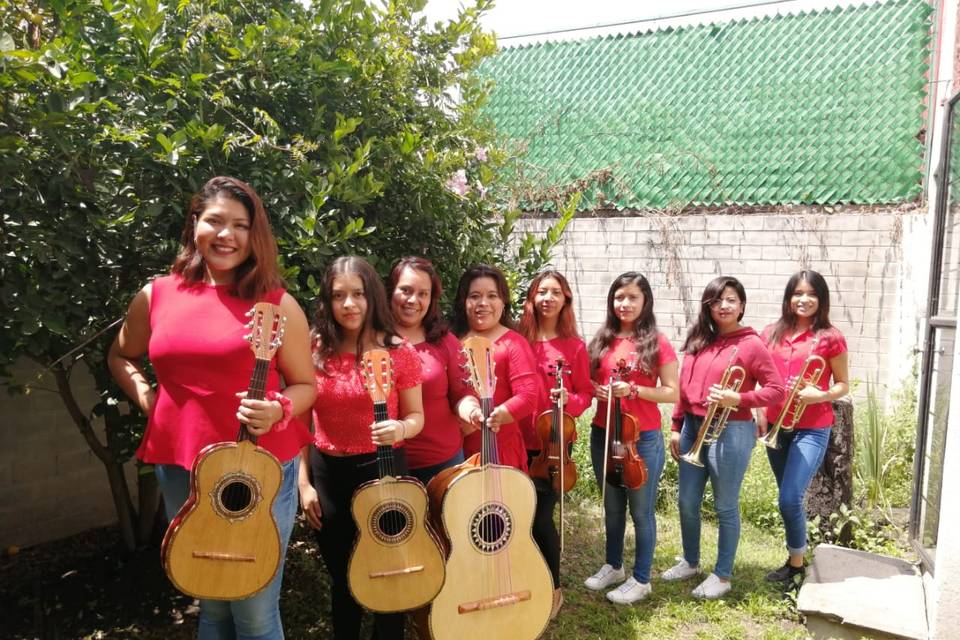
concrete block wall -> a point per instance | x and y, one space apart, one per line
51 484
876 264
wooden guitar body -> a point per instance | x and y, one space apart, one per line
397 564
498 584
224 543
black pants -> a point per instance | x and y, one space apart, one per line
545 532
336 479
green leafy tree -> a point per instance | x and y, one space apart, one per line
360 126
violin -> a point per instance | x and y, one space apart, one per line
622 466
556 430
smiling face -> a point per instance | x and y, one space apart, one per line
804 302
483 305
349 303
411 298
727 310
548 300
222 237
628 303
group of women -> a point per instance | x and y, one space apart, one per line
188 324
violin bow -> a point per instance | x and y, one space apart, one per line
606 445
563 446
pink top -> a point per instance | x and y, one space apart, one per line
343 411
706 368
646 412
789 356
443 387
201 359
518 389
576 381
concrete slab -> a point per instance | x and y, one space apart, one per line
851 593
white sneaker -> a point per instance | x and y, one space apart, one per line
711 588
630 591
680 571
604 578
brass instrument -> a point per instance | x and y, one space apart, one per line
716 419
810 374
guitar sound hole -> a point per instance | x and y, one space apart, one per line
236 497
392 523
491 527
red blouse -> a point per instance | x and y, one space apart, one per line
646 412
518 389
443 388
201 359
576 382
789 356
343 411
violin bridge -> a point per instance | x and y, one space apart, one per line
397 572
494 602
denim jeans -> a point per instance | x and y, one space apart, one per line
256 617
725 463
642 502
425 474
794 464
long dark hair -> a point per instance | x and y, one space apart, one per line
327 335
644 331
704 332
788 319
458 317
258 274
566 323
434 326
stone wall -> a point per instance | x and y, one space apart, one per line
875 262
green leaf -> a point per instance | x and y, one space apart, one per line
82 77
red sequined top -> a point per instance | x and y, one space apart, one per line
646 412
343 411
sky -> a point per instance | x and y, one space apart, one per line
512 18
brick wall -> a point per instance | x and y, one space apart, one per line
51 484
875 263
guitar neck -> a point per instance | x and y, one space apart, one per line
385 460
256 391
488 448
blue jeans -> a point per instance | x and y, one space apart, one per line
256 617
794 464
725 465
425 474
642 501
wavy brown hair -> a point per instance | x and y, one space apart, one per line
258 274
645 334
566 323
704 331
458 317
434 326
327 335
788 319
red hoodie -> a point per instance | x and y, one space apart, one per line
701 370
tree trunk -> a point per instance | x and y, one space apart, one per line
833 484
118 482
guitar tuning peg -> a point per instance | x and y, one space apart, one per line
249 313
248 337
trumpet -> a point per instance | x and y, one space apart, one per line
810 374
716 419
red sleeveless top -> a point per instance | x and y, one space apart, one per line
201 359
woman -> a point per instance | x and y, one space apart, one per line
482 308
415 290
550 327
353 316
629 334
803 330
716 341
192 325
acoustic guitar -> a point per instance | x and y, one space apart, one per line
396 564
498 584
224 543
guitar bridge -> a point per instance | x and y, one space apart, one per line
494 602
215 555
397 572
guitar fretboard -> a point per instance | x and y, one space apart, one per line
488 447
385 462
256 391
